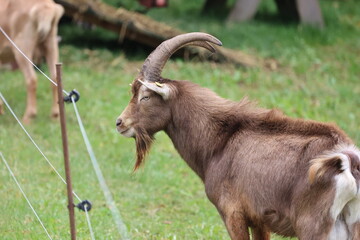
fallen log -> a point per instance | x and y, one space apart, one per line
145 30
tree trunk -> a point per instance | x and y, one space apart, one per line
243 10
307 11
142 29
310 12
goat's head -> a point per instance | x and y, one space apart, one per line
149 110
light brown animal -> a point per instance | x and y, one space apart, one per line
33 26
261 169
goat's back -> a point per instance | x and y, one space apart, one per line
265 168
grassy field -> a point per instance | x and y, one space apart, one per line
317 78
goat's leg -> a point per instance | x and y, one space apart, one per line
52 57
236 225
230 208
260 234
31 81
310 234
315 227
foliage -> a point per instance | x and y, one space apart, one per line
317 79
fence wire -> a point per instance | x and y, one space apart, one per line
106 191
48 161
23 193
108 196
35 144
24 55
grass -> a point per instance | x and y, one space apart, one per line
318 78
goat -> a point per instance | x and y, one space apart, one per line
32 25
261 169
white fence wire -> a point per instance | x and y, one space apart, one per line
121 227
23 193
108 196
48 161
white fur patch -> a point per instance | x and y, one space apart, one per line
352 213
339 231
346 188
346 207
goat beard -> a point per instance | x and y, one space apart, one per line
143 143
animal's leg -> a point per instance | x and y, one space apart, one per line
30 79
313 227
236 225
260 234
52 57
222 194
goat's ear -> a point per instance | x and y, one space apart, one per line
162 89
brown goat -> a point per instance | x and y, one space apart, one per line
261 169
32 25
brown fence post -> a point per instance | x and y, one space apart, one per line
66 151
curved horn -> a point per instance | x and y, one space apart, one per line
203 44
155 62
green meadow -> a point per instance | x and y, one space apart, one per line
317 76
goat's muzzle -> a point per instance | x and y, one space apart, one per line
118 122
125 129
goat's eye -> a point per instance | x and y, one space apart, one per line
145 98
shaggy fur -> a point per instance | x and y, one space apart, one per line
143 143
254 162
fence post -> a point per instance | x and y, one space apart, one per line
66 151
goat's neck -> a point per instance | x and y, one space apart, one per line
195 131
191 137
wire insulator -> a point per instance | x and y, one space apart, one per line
74 94
84 204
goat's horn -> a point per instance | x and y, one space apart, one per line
155 62
203 44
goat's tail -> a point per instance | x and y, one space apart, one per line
340 169
342 160
45 17
326 167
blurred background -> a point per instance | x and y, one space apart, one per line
282 54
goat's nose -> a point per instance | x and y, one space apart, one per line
118 122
